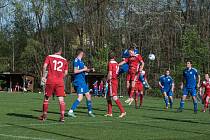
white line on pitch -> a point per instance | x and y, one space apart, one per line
23 137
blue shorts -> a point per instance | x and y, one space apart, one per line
168 92
192 91
81 88
124 68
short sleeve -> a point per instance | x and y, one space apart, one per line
110 67
66 66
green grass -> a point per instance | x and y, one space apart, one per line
19 112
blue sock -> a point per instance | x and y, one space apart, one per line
181 104
166 101
195 106
89 105
75 104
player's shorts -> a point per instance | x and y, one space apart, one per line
192 91
168 92
138 87
131 76
81 88
58 89
113 86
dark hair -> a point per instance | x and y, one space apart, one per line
131 48
78 51
112 55
57 48
189 61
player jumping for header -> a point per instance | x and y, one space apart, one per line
190 77
166 84
57 67
113 70
136 64
80 84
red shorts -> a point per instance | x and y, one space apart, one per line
113 86
58 89
138 86
131 76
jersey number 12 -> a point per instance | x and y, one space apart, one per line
57 65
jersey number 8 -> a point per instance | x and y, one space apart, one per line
57 65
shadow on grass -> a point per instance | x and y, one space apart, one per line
83 113
45 131
26 116
166 128
175 120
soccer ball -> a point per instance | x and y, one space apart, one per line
151 57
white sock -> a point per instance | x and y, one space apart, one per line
90 112
71 111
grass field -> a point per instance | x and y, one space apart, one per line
19 112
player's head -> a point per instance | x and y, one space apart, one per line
80 53
131 51
57 49
189 64
167 72
207 76
112 55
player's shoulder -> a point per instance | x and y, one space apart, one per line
170 77
113 62
56 56
162 76
194 69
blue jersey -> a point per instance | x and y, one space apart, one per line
126 54
79 77
166 82
190 76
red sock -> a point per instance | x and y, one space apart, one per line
206 104
62 109
136 99
141 99
45 107
132 92
109 105
120 106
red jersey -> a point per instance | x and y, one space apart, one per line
57 65
206 85
134 62
114 68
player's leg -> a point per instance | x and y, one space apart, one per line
109 107
89 104
195 103
128 89
79 89
133 84
165 97
185 93
122 110
48 93
206 103
141 98
60 93
136 99
144 82
170 95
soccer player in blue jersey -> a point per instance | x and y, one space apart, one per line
80 84
166 84
191 78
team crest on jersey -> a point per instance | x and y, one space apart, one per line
190 72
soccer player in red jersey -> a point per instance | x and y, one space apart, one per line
136 64
57 67
139 89
113 70
206 87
